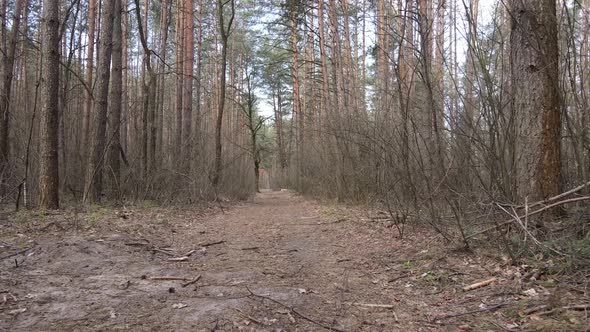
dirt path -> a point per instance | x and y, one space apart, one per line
279 263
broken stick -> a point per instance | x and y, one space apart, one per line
192 281
178 259
366 305
208 244
170 278
479 284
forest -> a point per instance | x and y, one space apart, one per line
416 136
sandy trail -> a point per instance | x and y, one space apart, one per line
278 263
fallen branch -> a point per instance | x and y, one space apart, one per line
163 251
188 254
554 198
178 259
366 305
535 309
528 233
192 281
327 327
479 284
504 223
577 307
494 307
249 317
208 244
169 278
333 222
16 253
401 276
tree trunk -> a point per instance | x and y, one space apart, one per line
179 84
224 33
534 66
187 99
86 124
297 111
164 23
94 169
7 70
49 167
116 99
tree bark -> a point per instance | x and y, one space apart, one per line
534 66
86 124
7 70
297 111
116 99
179 84
224 33
94 169
49 167
187 99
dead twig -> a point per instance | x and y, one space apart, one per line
333 222
192 281
366 305
163 251
208 244
535 309
250 248
327 327
249 317
401 276
518 220
16 253
504 223
577 307
494 307
479 284
178 259
169 278
188 254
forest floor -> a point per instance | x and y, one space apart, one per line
277 263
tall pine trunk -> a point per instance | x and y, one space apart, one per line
94 169
116 100
534 65
49 167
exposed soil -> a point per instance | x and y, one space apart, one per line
278 263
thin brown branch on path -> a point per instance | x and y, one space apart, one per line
471 312
577 307
366 305
178 259
300 315
190 252
170 278
192 281
16 253
479 284
163 251
208 244
249 317
250 248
